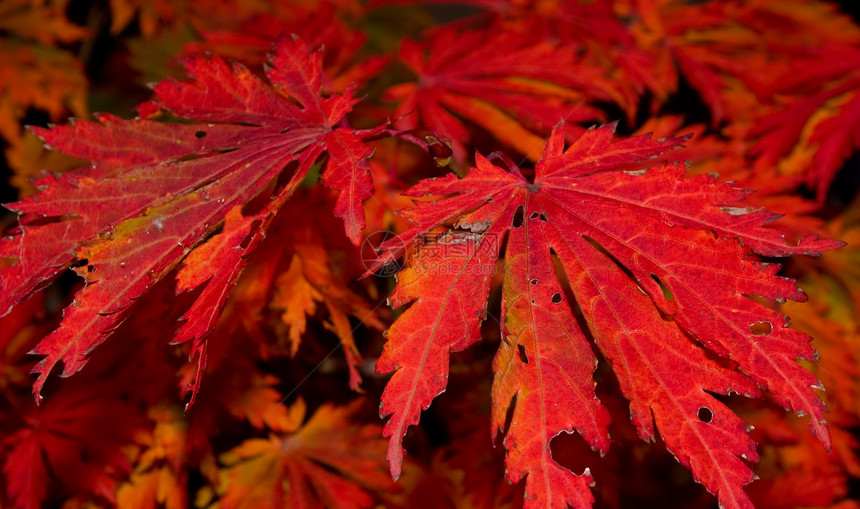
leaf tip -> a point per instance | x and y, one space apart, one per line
395 458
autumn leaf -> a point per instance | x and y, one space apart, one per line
19 332
288 285
309 281
247 394
40 77
731 158
830 283
660 268
159 478
796 473
29 159
155 16
318 25
707 45
598 31
381 209
817 124
36 74
43 21
262 405
308 468
743 58
74 438
831 322
260 321
156 192
511 85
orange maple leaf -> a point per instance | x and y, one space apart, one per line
308 468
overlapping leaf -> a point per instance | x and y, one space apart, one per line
249 41
155 191
655 267
329 462
817 126
603 247
19 332
705 45
39 20
514 86
38 77
75 439
795 471
154 15
159 476
309 281
29 159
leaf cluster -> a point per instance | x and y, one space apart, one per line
548 240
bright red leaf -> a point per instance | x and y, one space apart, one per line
659 266
155 192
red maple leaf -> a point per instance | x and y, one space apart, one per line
156 191
654 264
75 439
509 83
318 25
818 125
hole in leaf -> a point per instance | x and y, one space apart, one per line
509 415
705 414
761 328
91 268
200 134
534 215
575 454
556 298
518 217
667 293
533 282
522 351
543 217
567 293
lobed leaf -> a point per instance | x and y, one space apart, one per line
660 268
155 192
511 84
307 468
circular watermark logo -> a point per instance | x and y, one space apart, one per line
379 261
